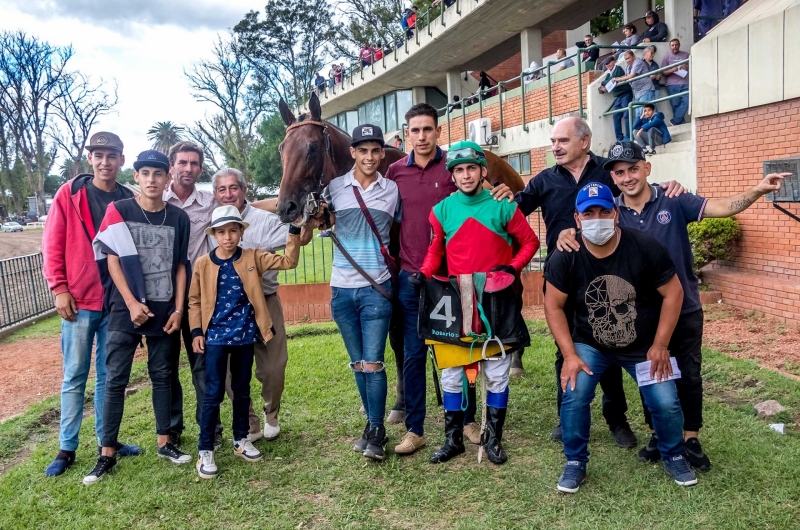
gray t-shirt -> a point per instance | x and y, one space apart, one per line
641 86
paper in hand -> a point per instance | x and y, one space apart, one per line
610 86
681 73
643 373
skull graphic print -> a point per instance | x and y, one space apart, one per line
611 302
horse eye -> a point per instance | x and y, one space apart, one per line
312 149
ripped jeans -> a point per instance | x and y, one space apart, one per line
363 315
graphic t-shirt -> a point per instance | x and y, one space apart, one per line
99 200
162 242
233 322
617 303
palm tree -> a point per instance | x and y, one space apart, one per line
165 134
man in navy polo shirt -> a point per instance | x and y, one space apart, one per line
645 207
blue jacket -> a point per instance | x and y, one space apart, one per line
656 121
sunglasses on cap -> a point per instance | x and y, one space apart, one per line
466 152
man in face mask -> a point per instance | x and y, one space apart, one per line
627 300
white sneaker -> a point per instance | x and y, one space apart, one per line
270 432
245 449
255 436
205 466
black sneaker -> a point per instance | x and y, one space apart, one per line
695 455
217 440
557 434
377 440
175 455
362 442
624 437
103 466
650 452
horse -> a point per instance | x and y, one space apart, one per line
313 153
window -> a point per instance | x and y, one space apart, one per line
391 112
403 104
521 162
362 114
375 112
351 121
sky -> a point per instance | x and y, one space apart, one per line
143 45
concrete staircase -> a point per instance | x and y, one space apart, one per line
676 160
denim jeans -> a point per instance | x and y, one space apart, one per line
649 95
363 316
216 364
679 105
621 117
660 398
415 357
76 347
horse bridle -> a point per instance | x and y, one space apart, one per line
314 198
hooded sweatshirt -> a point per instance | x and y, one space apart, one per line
657 32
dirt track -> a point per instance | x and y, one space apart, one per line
13 244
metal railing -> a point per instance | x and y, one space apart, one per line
23 289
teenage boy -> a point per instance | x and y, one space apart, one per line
646 208
73 277
228 315
361 299
475 234
627 301
142 252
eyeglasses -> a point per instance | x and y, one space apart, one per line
466 152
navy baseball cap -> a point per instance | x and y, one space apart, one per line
151 158
367 133
594 194
624 151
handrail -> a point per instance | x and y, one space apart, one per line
634 104
653 72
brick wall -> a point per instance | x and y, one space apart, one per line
765 272
554 41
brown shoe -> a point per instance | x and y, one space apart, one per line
472 432
410 443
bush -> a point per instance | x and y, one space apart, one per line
713 239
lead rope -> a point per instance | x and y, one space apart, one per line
483 414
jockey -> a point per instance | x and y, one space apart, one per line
478 235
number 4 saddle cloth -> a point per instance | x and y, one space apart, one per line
471 317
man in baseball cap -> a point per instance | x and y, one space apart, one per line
151 158
367 133
105 140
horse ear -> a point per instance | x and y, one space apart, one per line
314 108
286 114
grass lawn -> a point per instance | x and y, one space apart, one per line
310 478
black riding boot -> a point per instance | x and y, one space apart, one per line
453 437
493 435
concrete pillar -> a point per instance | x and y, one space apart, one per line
678 15
453 85
531 45
418 95
577 34
634 9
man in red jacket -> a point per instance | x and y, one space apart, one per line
73 277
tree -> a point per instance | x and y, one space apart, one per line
72 168
125 176
52 183
265 163
165 134
608 20
371 21
18 186
32 74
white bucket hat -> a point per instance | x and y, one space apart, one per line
224 215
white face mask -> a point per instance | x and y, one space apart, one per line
598 231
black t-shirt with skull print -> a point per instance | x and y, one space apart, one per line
616 299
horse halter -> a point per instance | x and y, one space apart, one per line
314 198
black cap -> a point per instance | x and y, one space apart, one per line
105 140
649 14
623 152
367 133
151 158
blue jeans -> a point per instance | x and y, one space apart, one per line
241 366
621 103
76 348
679 105
415 357
363 316
650 95
660 398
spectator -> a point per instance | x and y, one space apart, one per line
338 71
731 6
710 12
631 39
447 3
569 63
365 55
643 89
409 21
398 142
533 75
676 83
319 83
648 57
589 55
332 76
622 97
456 103
651 129
485 83
656 30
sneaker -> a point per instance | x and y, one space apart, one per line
103 466
362 442
59 465
624 437
377 441
175 455
217 440
649 152
255 436
650 452
124 450
572 477
205 466
270 432
472 432
678 468
557 434
410 443
695 455
245 449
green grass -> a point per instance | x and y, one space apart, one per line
46 327
310 478
314 264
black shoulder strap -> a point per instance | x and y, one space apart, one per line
357 267
371 222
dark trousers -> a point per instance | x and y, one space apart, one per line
415 357
197 365
685 345
121 347
216 369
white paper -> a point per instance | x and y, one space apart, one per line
643 373
615 43
777 427
681 73
610 86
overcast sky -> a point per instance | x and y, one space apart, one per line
144 45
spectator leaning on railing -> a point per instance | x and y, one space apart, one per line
563 65
643 89
649 59
622 94
588 55
656 30
631 39
677 81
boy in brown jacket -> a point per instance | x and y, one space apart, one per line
227 314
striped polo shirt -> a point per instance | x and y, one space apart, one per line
383 202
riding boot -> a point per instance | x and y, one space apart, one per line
493 435
453 437
517 369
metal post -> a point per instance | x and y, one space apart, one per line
7 309
458 7
443 10
522 86
428 13
449 136
549 94
480 103
500 100
580 86
464 117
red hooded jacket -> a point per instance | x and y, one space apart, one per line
69 262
